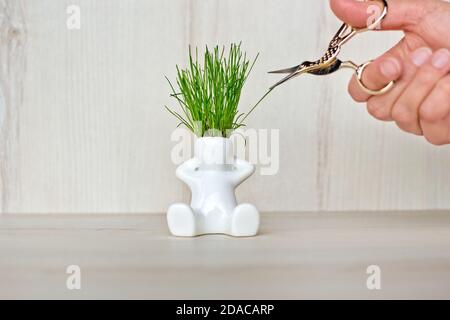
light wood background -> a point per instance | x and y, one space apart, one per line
83 127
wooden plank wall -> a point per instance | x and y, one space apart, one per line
83 127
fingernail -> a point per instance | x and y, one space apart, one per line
421 55
390 68
441 59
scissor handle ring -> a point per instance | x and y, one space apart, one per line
359 74
379 20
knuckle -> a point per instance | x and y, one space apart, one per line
356 94
377 111
402 115
428 113
436 141
410 128
436 104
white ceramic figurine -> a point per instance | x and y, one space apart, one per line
213 175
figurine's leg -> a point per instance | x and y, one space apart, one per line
245 221
181 220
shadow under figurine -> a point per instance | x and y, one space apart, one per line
213 175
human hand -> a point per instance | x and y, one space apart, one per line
419 102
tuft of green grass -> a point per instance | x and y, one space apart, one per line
209 93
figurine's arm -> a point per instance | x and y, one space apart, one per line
187 172
243 170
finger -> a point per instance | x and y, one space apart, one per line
437 105
406 109
401 13
376 76
437 133
380 107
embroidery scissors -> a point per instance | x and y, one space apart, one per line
330 63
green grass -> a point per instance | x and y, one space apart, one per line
209 93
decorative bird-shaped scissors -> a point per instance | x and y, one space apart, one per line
330 63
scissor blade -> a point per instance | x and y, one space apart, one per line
287 78
288 70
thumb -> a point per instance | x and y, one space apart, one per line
360 14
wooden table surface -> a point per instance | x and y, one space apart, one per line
296 256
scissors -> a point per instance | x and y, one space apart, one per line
330 63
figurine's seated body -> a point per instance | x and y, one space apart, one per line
213 206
